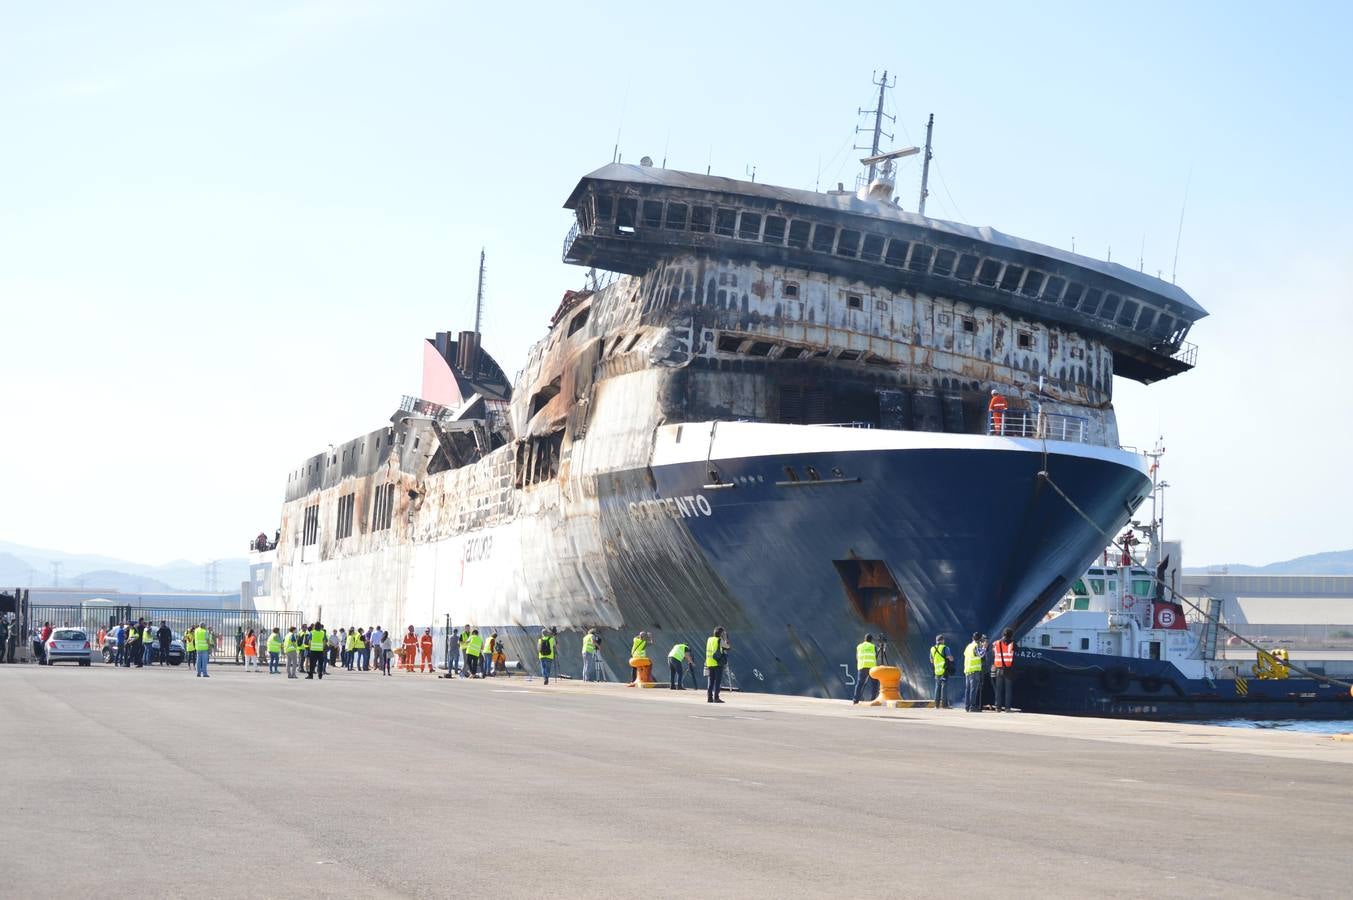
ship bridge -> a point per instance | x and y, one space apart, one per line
629 218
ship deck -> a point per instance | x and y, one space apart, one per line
416 786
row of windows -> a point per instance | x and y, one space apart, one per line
348 453
630 213
346 504
310 528
383 509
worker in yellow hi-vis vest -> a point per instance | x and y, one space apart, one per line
716 658
866 657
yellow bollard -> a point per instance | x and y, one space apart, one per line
643 667
888 678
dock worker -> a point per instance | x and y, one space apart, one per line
590 655
148 643
274 651
425 652
638 648
548 637
476 650
164 637
679 655
1003 668
996 412
202 647
866 657
943 663
463 659
315 660
716 657
973 654
120 635
410 649
289 649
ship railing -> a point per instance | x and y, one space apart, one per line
843 425
1186 353
1027 423
419 406
568 242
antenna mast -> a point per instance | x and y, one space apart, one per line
879 116
925 166
479 294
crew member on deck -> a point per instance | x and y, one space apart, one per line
996 412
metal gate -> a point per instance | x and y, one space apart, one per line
228 626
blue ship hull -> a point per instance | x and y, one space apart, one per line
1088 684
904 543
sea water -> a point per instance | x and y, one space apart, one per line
1336 726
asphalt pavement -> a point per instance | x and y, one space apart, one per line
416 786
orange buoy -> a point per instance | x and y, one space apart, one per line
888 678
643 669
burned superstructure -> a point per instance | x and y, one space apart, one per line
667 460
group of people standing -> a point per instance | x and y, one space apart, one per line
1000 654
680 661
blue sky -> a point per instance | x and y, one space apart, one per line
226 227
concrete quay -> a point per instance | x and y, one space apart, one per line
417 786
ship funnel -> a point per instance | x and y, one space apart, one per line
467 352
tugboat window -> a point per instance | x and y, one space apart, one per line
701 216
798 234
1045 640
1085 643
725 221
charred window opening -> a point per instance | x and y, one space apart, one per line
1010 280
989 271
605 206
1074 291
967 266
725 221
1145 319
849 355
701 216
775 230
749 226
627 216
969 325
383 507
873 592
729 343
791 289
1164 323
798 234
791 353
854 301
897 252
538 458
543 396
1033 284
634 340
676 216
579 321
652 213
615 345
920 258
310 527
1025 340
1052 290
1128 314
849 244
346 503
873 248
1110 306
823 238
760 348
1090 305
944 262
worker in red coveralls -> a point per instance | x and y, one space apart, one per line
410 649
996 412
425 655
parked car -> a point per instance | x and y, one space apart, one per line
176 652
69 645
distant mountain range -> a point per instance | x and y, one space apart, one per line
22 566
1335 562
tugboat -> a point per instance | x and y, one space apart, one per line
1116 646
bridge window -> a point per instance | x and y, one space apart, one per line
1010 280
989 272
920 258
1110 306
967 265
1074 292
1145 320
605 206
1164 323
1128 314
1090 305
897 252
873 248
676 216
652 213
775 230
1033 283
627 215
1053 289
798 233
823 238
701 216
724 222
849 244
749 229
944 262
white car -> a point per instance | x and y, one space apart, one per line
68 645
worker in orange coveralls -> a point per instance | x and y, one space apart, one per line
996 412
425 657
410 649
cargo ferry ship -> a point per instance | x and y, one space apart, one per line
769 411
